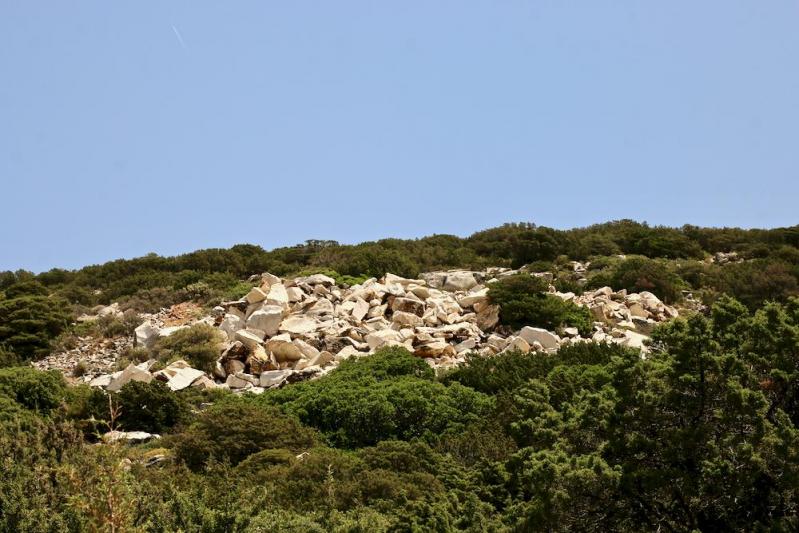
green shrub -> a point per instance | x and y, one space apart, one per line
755 282
198 345
502 373
150 407
8 358
29 324
389 395
33 389
149 300
112 326
80 369
637 274
523 302
234 430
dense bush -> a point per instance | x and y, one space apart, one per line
29 324
7 357
233 430
388 395
523 302
198 345
637 274
32 389
150 407
754 282
112 326
701 435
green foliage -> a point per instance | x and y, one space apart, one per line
7 357
33 389
502 373
198 345
233 430
150 407
29 324
637 274
700 436
110 326
389 395
523 302
755 282
149 283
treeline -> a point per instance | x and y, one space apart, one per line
511 245
35 309
699 436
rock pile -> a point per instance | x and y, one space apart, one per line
285 331
99 355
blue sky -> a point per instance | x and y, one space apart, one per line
275 122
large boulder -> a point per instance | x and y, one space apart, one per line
360 309
436 348
299 325
434 279
278 295
319 279
408 305
383 337
295 294
179 375
255 295
248 338
459 281
488 317
274 378
231 324
548 340
131 373
474 297
130 437
283 349
146 335
266 319
404 319
323 306
260 361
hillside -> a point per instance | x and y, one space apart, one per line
615 377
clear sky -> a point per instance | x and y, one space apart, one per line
155 126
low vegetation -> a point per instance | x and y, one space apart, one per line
524 301
701 435
198 345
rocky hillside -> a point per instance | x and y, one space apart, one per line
284 331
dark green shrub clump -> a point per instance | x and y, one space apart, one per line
140 406
757 281
638 274
33 389
523 301
389 395
233 430
29 324
198 345
150 407
7 357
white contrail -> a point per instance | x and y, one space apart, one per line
180 39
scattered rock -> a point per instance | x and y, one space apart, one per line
548 340
130 437
131 373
